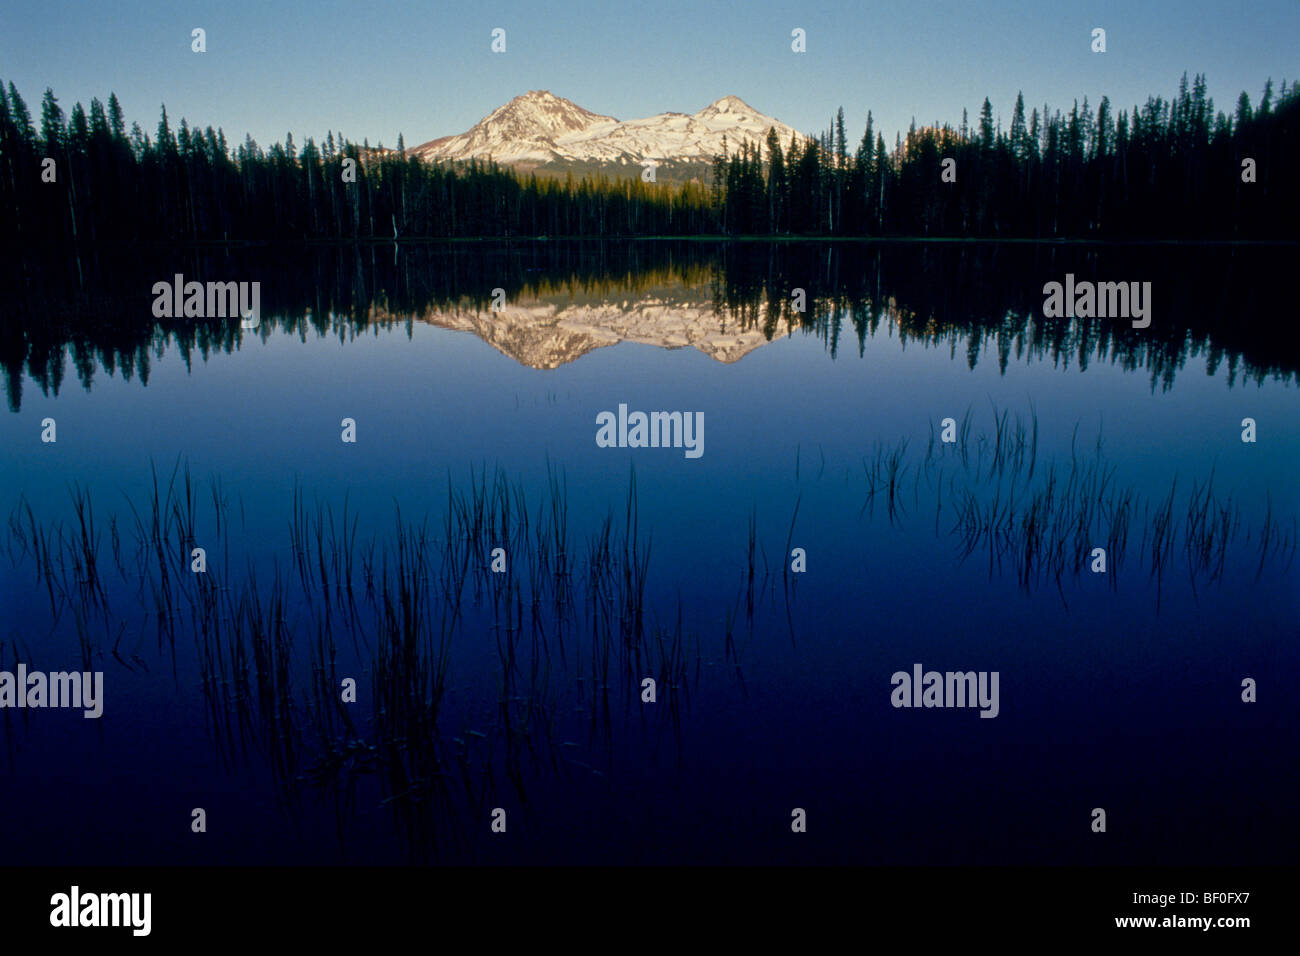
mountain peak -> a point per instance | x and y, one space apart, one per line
729 104
545 111
538 127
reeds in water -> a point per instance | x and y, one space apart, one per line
409 608
1042 522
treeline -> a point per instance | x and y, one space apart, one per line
1168 169
108 184
982 302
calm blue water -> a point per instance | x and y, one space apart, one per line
1120 691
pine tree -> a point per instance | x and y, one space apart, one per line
1019 136
116 121
22 119
776 182
52 133
986 126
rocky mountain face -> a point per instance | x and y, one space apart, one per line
547 332
542 129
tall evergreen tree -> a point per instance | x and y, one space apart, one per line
986 126
1019 134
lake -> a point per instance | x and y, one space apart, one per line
825 539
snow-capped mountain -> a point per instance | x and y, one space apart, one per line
545 332
541 128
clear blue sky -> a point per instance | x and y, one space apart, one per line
373 69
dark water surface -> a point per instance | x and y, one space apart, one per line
522 690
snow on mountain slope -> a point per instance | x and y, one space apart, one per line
540 127
526 128
545 333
